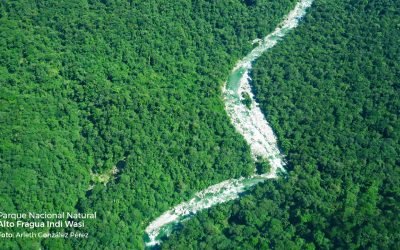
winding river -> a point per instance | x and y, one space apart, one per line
249 121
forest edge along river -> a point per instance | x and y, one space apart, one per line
249 121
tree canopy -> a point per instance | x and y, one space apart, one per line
114 106
330 89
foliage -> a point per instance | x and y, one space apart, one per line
331 92
263 166
246 99
86 84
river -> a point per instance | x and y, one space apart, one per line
250 122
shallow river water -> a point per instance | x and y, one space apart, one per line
248 121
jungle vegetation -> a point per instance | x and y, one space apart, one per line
331 91
114 106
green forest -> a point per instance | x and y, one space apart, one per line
115 107
331 92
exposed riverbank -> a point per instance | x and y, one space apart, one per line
249 121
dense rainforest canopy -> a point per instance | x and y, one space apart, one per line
114 106
331 90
